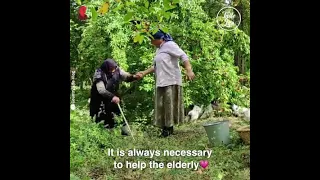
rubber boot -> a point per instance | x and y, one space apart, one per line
170 130
165 132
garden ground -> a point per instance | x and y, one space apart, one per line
90 142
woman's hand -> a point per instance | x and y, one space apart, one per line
190 75
139 75
188 68
115 99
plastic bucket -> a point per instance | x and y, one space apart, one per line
218 132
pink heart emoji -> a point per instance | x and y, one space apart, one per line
204 164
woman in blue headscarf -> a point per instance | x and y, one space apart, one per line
104 93
169 109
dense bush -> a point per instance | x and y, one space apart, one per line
210 49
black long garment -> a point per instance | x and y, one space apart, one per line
112 85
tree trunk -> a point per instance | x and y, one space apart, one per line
243 65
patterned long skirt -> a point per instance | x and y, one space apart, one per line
169 109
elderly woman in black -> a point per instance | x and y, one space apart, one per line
104 95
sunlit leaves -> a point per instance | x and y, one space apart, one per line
104 8
146 4
119 7
94 14
128 3
165 29
138 38
128 16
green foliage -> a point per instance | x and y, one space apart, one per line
74 177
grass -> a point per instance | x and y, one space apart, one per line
90 142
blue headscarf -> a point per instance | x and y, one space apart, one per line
162 35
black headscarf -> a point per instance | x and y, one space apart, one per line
104 72
108 65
